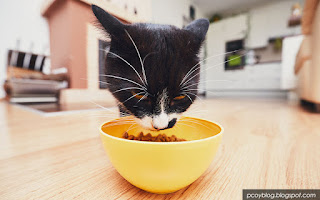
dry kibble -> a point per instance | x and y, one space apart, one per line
131 137
174 138
150 138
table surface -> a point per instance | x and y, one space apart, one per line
267 144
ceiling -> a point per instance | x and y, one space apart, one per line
210 7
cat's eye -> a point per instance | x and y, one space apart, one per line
179 97
138 95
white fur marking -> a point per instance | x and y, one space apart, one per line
162 120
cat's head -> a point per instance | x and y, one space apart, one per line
153 70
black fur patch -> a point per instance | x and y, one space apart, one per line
168 53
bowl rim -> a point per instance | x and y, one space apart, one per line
164 143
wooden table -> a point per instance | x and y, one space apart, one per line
267 144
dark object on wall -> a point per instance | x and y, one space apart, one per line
188 19
215 18
296 15
192 13
234 60
234 45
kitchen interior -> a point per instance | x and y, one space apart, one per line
256 40
259 79
249 50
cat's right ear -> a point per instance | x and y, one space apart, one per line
111 24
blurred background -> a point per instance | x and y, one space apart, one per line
51 54
260 79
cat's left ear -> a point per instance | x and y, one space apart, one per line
111 24
199 27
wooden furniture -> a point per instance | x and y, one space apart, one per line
267 144
74 42
26 81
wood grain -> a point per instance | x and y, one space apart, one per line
267 144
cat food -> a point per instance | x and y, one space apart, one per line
150 138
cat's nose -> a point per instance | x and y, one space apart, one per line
160 122
170 124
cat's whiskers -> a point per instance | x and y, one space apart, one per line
147 56
118 124
132 127
210 67
104 108
111 114
187 92
106 113
192 121
125 79
187 96
178 126
140 93
206 91
181 123
197 83
121 120
144 96
103 82
191 111
142 66
193 89
192 69
129 65
127 88
195 122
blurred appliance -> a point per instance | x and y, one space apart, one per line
251 58
234 60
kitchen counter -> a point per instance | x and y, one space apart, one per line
267 144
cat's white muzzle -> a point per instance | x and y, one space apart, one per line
157 122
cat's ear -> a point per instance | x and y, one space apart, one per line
111 24
199 28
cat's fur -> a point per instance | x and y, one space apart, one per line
167 54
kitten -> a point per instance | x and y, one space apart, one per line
153 70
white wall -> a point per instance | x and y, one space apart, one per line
270 20
172 11
21 20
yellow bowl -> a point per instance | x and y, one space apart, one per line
162 167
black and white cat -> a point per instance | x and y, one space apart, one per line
153 70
